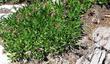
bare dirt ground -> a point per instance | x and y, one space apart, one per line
96 16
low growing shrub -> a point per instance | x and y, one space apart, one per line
42 28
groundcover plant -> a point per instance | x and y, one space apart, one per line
42 28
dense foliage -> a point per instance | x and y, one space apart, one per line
43 28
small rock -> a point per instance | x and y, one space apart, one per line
100 52
101 36
4 59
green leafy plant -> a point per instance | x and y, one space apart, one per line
43 28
